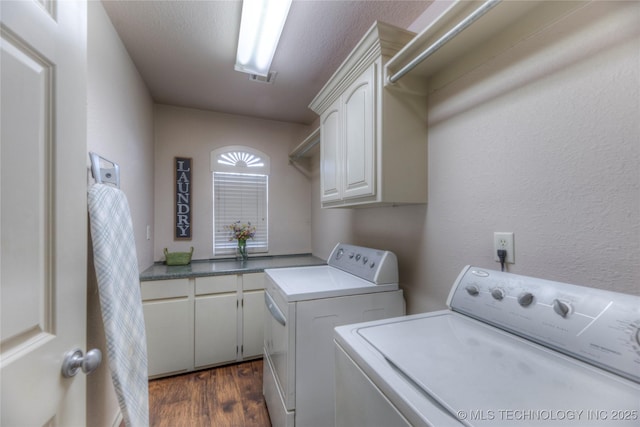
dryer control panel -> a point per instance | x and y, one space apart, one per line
597 326
373 265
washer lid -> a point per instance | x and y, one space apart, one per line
485 376
323 281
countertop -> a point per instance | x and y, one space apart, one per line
198 268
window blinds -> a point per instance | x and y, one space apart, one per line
239 197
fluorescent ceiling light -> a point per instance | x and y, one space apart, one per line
260 29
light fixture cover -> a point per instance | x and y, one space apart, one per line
260 29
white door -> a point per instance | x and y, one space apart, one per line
43 215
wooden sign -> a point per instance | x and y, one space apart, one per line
183 193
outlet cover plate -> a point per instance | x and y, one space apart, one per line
502 240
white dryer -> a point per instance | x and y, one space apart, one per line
304 305
511 351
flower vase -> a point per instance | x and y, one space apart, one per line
241 253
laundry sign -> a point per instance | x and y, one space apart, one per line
183 198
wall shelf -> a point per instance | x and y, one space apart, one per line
502 27
300 155
305 147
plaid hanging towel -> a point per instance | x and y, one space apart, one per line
116 265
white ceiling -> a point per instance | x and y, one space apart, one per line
185 51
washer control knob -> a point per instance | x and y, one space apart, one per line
525 299
498 294
373 264
364 259
351 254
562 308
472 290
358 256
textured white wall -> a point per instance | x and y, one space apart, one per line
186 132
120 128
543 141
120 122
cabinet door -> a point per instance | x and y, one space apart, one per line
330 154
359 136
169 343
359 109
252 324
216 329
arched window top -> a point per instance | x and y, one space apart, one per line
240 159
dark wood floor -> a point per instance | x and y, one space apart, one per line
225 396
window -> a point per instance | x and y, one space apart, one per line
240 193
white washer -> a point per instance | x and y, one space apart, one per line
512 350
304 305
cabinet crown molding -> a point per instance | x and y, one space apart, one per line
382 40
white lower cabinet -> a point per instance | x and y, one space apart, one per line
215 329
168 315
252 324
252 315
167 342
216 307
203 321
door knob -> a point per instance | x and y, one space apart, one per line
74 360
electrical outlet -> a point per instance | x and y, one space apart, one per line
504 241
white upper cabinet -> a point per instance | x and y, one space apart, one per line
330 157
373 141
359 144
